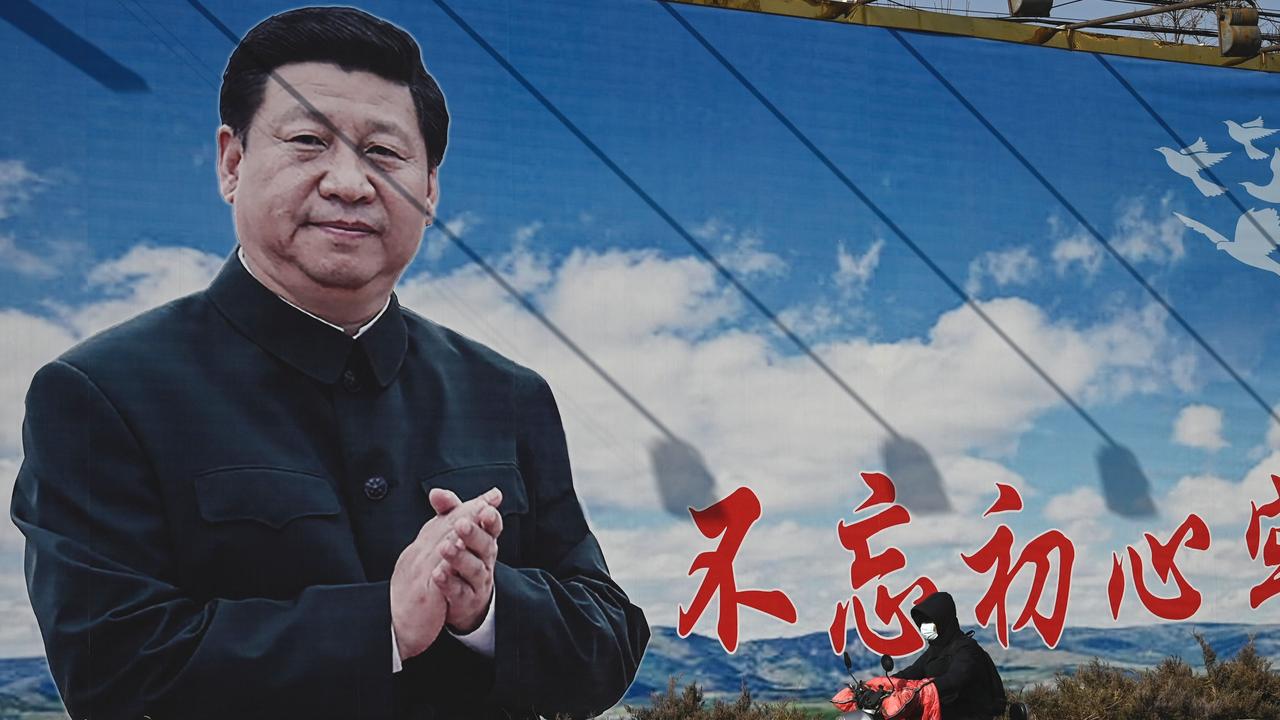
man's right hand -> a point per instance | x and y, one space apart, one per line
418 607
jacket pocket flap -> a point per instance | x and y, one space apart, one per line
474 480
270 496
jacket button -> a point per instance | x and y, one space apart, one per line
375 488
350 382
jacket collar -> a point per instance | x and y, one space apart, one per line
305 343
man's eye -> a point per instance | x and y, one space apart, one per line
307 140
384 151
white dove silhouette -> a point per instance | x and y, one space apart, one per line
1245 135
1271 191
1257 232
1189 161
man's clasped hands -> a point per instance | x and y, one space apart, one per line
445 576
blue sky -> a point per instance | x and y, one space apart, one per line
100 191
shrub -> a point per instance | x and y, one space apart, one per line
1243 687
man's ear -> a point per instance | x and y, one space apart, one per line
230 152
432 200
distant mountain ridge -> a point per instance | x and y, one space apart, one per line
25 684
804 667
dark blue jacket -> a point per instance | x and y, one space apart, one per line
214 495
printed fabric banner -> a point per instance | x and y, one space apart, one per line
766 329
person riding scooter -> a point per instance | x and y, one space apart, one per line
969 688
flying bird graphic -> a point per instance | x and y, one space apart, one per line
1257 233
1271 191
1189 161
1245 135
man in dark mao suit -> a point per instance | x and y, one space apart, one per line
287 496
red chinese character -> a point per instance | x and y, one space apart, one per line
867 566
1269 587
731 517
996 554
1187 601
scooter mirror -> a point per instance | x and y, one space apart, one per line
848 661
886 662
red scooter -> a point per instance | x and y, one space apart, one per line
876 698
885 698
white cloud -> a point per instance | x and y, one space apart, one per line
1081 513
525 233
1142 355
23 262
971 483
1140 238
203 155
1141 233
742 252
1273 430
17 184
809 321
1074 248
1211 497
1015 266
142 278
1083 503
1223 502
1079 250
1183 371
1199 426
853 272
438 242
635 293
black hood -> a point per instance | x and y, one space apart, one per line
940 610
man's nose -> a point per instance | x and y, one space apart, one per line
347 176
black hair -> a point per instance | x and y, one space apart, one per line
349 38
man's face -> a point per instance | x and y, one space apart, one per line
312 212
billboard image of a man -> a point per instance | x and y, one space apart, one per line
287 496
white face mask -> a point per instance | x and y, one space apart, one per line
929 631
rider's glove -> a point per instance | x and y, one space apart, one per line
869 698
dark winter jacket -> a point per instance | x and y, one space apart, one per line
968 684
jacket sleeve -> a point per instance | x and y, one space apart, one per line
568 639
914 671
123 640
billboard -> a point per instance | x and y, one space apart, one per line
834 315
